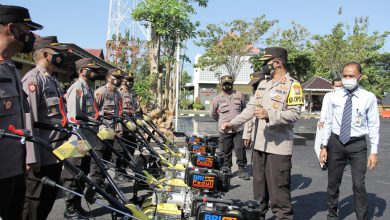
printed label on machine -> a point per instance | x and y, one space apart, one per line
201 181
204 161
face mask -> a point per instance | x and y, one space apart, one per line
129 84
349 84
337 88
115 82
27 40
227 87
56 59
254 87
268 69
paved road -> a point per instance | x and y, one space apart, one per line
308 181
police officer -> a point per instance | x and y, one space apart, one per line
44 94
228 104
15 37
351 114
80 102
130 105
276 103
247 136
108 101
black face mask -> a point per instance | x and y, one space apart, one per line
57 59
268 69
91 76
227 87
27 39
254 87
115 82
129 85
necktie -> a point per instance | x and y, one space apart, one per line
345 130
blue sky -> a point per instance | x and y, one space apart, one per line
84 22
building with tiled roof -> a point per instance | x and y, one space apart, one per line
314 91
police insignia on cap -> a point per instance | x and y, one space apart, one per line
7 104
32 87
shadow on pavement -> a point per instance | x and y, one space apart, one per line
298 181
376 206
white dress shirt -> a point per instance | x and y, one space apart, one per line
365 116
324 106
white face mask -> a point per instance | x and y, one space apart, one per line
350 84
337 88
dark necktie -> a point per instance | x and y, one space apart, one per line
345 129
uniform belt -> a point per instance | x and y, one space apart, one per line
352 138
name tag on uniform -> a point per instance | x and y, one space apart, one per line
358 119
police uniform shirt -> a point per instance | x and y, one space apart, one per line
129 99
225 107
108 101
44 94
80 102
282 100
12 111
365 116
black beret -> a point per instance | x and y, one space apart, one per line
16 14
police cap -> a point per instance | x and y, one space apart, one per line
85 63
274 52
226 78
48 42
17 14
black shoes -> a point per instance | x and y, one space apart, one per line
243 174
72 213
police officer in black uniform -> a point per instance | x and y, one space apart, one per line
80 102
15 37
44 95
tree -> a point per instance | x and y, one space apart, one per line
170 25
229 45
331 52
295 40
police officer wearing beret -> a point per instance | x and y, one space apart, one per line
276 103
247 136
109 102
15 37
44 94
80 102
224 108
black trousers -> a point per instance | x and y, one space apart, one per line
12 192
40 197
228 142
355 151
70 182
105 154
271 183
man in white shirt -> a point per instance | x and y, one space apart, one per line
352 113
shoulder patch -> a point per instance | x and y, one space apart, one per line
32 86
295 96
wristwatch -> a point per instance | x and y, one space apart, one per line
323 146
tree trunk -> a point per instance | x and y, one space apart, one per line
154 55
167 84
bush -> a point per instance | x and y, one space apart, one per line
197 104
185 104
